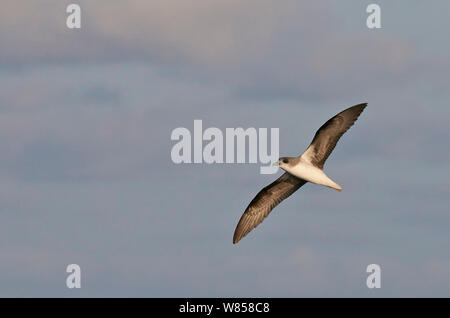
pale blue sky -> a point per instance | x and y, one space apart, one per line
85 170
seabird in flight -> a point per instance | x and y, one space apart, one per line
308 167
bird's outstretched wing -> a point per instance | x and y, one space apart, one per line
328 135
268 198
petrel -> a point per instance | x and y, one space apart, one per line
308 167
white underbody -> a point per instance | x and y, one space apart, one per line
308 172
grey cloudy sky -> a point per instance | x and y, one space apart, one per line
85 170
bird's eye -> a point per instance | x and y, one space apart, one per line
285 161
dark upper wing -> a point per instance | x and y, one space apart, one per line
328 135
264 202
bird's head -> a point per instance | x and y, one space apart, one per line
284 162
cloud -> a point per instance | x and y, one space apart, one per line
265 51
199 30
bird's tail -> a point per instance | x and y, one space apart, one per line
335 186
